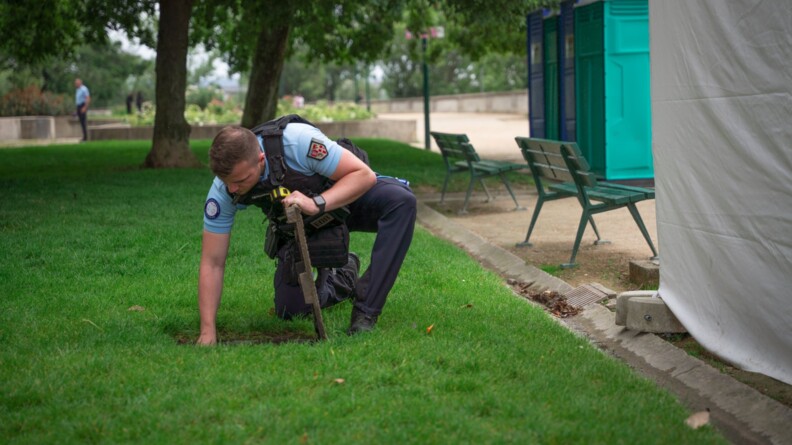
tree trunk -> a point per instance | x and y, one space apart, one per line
261 102
170 146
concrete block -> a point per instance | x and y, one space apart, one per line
621 304
9 128
650 314
645 272
67 127
37 127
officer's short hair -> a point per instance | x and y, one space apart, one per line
232 145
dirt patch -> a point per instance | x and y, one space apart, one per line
252 338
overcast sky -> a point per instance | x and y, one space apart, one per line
195 57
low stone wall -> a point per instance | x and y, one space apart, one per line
403 131
65 127
39 127
503 102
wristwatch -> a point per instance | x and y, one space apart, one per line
320 202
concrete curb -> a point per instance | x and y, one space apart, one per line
739 412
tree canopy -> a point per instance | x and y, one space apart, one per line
256 38
33 30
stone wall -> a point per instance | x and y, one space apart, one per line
504 102
403 131
68 127
39 127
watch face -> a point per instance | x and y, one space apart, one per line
320 202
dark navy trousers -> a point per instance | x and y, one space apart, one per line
83 120
389 209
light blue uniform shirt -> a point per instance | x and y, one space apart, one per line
81 95
298 139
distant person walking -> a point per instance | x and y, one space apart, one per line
129 100
139 101
82 98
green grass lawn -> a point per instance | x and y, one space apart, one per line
86 235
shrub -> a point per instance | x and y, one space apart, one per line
31 101
221 112
324 111
203 96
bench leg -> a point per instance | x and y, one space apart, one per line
467 195
535 216
581 228
596 232
638 220
486 190
505 181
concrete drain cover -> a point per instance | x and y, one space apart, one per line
588 293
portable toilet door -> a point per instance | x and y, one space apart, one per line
551 79
536 110
612 88
566 64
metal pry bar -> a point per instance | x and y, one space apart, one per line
294 216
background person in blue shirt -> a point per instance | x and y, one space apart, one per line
82 98
376 204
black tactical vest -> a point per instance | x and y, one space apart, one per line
280 175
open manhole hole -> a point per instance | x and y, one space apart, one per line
253 338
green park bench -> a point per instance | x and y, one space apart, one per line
460 157
560 171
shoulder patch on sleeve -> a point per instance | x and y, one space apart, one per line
211 208
317 150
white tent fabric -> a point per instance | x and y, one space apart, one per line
722 144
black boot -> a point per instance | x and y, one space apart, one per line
346 277
343 280
361 322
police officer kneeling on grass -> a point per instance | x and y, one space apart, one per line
289 162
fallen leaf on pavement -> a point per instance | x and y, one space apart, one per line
698 419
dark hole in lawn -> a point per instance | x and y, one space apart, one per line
253 338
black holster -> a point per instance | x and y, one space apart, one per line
328 248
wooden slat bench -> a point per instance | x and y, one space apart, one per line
460 157
560 171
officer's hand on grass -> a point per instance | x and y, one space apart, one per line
206 340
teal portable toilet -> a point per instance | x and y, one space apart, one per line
612 88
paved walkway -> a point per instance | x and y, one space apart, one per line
492 134
740 412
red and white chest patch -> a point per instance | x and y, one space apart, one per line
317 150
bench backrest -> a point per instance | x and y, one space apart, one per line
455 146
544 159
555 161
576 163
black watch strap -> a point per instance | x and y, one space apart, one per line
320 202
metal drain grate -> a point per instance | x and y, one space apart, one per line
588 293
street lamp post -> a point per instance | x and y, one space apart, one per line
427 142
437 33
